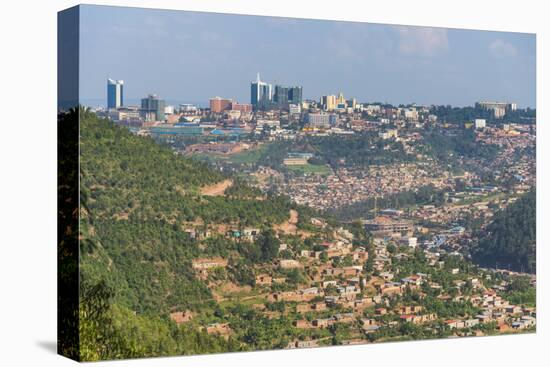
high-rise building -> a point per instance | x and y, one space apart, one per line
280 97
261 93
218 105
153 104
295 95
328 102
283 96
115 95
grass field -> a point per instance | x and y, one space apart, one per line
249 157
310 168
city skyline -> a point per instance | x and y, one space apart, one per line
114 94
371 62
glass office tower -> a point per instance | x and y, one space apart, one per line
115 96
260 93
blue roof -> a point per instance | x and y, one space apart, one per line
232 131
187 130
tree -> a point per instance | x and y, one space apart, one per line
269 245
509 240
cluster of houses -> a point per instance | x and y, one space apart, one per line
348 185
338 290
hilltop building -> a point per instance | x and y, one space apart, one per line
499 108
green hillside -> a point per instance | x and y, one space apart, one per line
137 200
509 240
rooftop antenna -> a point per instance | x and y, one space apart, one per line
258 77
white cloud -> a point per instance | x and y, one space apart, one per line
422 41
501 49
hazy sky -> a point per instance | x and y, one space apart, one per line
190 57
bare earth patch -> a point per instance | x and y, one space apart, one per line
217 189
289 227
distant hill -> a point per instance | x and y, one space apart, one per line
509 240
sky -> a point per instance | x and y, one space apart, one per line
189 57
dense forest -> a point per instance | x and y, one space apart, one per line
509 240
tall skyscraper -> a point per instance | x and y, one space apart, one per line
261 93
152 103
115 93
280 97
295 95
284 96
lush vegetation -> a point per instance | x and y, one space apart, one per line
137 199
364 209
110 331
509 240
468 114
337 151
358 150
448 146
